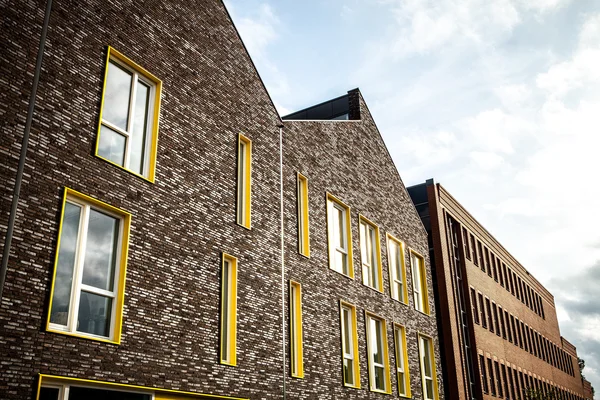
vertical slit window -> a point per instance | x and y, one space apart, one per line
228 310
339 236
402 371
244 181
428 373
397 269
379 369
484 379
482 310
474 307
419 279
303 225
350 361
370 254
488 308
297 363
498 379
473 248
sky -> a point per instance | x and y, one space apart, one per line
497 100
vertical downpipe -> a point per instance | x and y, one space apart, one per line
283 352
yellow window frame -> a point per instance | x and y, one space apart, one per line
386 354
400 244
120 57
125 218
433 366
424 288
228 310
354 335
244 188
402 353
296 351
303 220
332 199
362 220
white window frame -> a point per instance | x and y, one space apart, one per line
384 351
64 389
424 377
370 248
350 353
419 280
399 263
401 359
333 206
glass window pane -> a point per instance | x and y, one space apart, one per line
61 298
111 145
225 316
427 358
339 218
101 251
340 262
401 383
137 145
376 340
94 314
79 393
379 378
348 372
241 182
429 389
47 393
117 96
347 331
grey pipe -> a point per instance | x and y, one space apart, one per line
19 179
283 350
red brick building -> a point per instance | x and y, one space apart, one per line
498 328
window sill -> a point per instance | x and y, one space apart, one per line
125 169
84 336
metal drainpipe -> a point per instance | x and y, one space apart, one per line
24 144
283 352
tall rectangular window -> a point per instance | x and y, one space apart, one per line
397 269
402 370
494 267
502 322
303 226
473 248
89 274
492 379
370 254
244 181
488 266
128 128
488 308
339 236
296 354
474 307
428 373
508 330
482 310
505 379
484 378
465 238
496 320
350 361
419 279
228 310
377 351
498 379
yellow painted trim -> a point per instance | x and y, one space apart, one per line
386 354
400 244
247 189
334 199
120 298
296 314
402 329
363 220
303 215
54 379
356 360
231 340
433 366
424 287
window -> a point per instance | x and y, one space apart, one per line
296 357
397 269
474 308
244 181
487 262
492 379
500 274
489 314
512 383
465 238
370 254
494 267
350 361
89 273
505 379
496 320
419 278
428 374
514 330
402 369
484 379
473 248
498 379
78 392
377 349
508 331
480 252
128 128
228 310
303 226
340 236
482 310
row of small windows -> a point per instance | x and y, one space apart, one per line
500 380
491 316
508 279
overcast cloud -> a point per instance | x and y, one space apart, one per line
498 100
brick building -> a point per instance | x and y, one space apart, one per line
499 334
176 239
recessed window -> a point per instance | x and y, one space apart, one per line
419 279
474 308
244 181
428 374
402 370
128 131
397 269
297 363
482 310
484 378
492 379
303 227
89 275
340 236
370 254
350 363
377 351
488 307
228 310
465 239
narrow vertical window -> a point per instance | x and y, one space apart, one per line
397 269
428 374
480 253
297 362
482 310
377 346
492 379
128 130
350 361
228 310
488 308
370 254
303 226
473 248
89 275
244 181
474 308
419 279
402 371
465 238
484 378
498 379
496 320
339 236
